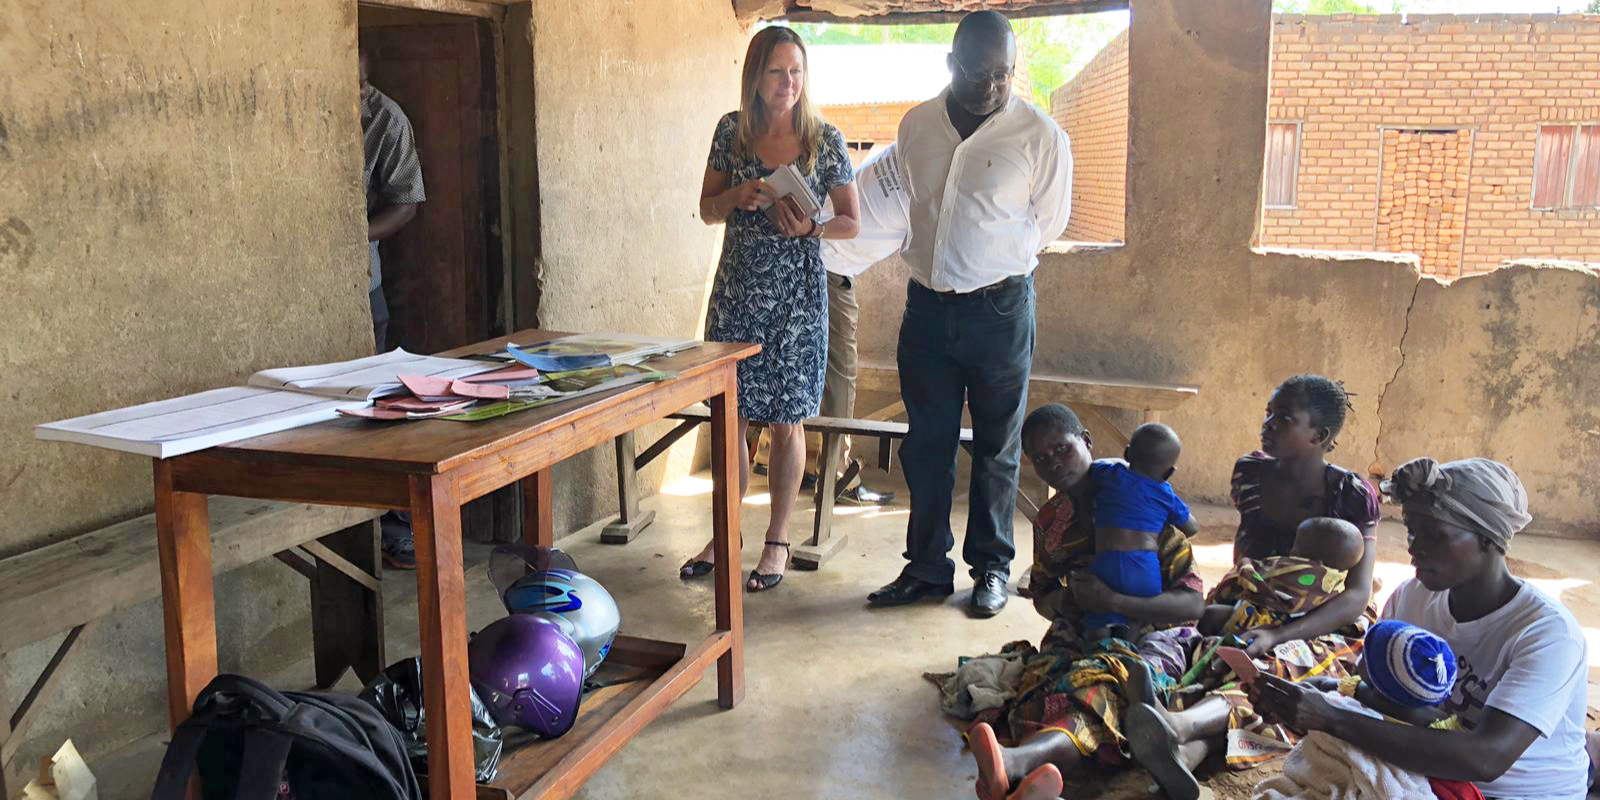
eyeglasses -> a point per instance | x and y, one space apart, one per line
998 77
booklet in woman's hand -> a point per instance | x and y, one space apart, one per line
790 187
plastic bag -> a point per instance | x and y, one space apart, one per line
397 694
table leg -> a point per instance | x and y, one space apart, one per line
188 601
725 532
442 617
538 521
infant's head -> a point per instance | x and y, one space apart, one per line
1408 665
1153 450
1333 542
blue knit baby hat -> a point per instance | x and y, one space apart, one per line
1409 665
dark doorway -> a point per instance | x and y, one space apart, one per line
443 274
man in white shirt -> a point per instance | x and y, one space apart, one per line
990 179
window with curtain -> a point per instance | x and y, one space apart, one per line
1566 167
1283 161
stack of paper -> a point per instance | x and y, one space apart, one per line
590 350
367 378
275 400
181 425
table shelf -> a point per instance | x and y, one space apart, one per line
646 676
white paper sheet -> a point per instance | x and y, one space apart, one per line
367 378
181 425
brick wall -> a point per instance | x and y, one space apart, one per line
1093 109
1347 78
867 123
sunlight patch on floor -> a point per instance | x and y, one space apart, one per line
687 486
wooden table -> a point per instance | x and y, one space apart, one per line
431 468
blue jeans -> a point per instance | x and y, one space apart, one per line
974 349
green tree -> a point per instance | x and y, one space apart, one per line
1592 8
1054 48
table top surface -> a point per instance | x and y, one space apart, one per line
437 445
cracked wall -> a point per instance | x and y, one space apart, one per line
1504 365
180 206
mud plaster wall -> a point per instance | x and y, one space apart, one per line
179 206
1503 365
628 94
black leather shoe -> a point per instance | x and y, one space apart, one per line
862 496
988 595
906 589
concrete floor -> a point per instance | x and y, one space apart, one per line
835 705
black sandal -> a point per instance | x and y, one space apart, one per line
695 569
764 582
698 569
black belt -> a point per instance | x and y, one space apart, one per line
997 285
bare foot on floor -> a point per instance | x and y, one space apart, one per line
993 781
1156 747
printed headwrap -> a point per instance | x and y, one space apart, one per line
1477 494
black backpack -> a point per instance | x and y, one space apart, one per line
250 741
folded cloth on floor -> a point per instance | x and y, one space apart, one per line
979 684
1322 767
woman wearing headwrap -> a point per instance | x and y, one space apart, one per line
1522 661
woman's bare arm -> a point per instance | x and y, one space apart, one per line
846 222
713 208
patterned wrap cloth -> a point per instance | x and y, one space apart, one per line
1271 591
1078 687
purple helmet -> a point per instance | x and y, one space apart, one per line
529 673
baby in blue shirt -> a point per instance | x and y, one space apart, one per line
1133 503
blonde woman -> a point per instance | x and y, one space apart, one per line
770 286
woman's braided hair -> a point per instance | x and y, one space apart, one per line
1326 400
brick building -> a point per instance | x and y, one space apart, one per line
1470 140
1093 109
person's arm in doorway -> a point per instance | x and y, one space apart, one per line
389 220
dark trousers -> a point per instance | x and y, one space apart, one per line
380 319
977 349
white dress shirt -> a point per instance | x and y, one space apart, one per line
883 208
981 209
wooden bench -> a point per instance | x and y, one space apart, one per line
822 544
1087 396
70 586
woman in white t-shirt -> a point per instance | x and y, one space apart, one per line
1522 662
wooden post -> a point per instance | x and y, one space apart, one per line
1152 415
5 725
725 468
630 520
346 617
188 601
823 544
538 520
442 618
